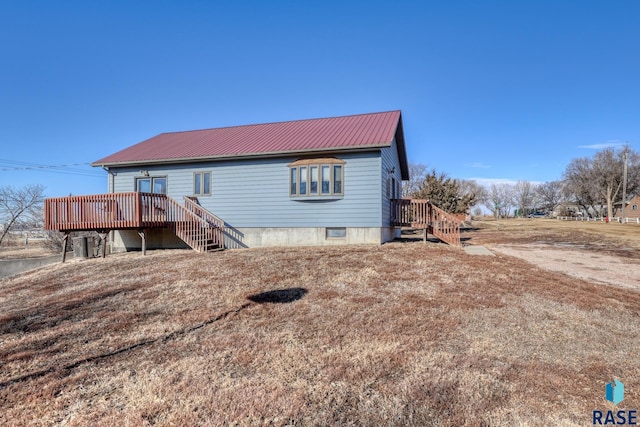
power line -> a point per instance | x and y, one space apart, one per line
66 169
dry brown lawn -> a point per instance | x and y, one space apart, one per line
399 334
14 248
618 239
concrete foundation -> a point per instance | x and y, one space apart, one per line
256 237
157 238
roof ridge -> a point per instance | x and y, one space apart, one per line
280 122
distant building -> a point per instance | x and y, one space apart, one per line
631 209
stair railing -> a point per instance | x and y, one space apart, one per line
216 225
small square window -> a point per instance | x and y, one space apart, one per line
336 232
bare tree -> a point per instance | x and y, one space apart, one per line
550 195
608 166
494 200
598 180
524 193
499 199
469 186
20 205
581 185
417 173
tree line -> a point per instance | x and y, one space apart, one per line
589 185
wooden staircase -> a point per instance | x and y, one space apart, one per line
420 213
196 226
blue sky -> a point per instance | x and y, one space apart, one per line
489 90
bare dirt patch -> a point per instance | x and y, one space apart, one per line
583 264
596 252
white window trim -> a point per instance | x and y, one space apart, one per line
202 180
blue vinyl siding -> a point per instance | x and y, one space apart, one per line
390 161
255 193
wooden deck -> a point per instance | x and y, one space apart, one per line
422 214
116 211
196 226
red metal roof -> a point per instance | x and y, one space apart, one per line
336 133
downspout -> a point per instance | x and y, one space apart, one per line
110 181
110 189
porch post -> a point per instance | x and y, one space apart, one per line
103 242
144 241
65 241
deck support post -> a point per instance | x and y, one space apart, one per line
65 241
103 241
143 236
424 238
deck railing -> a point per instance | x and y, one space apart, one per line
199 228
215 224
105 211
420 213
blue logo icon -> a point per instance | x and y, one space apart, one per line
615 392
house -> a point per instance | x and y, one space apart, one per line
307 182
631 210
304 182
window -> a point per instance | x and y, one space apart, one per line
157 185
634 207
313 172
202 183
294 180
326 179
393 187
316 177
336 233
303 180
337 179
143 185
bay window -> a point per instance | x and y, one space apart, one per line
316 177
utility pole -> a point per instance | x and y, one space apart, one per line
624 184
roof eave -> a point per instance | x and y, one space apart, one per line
402 151
183 160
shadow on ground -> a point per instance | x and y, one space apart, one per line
278 296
